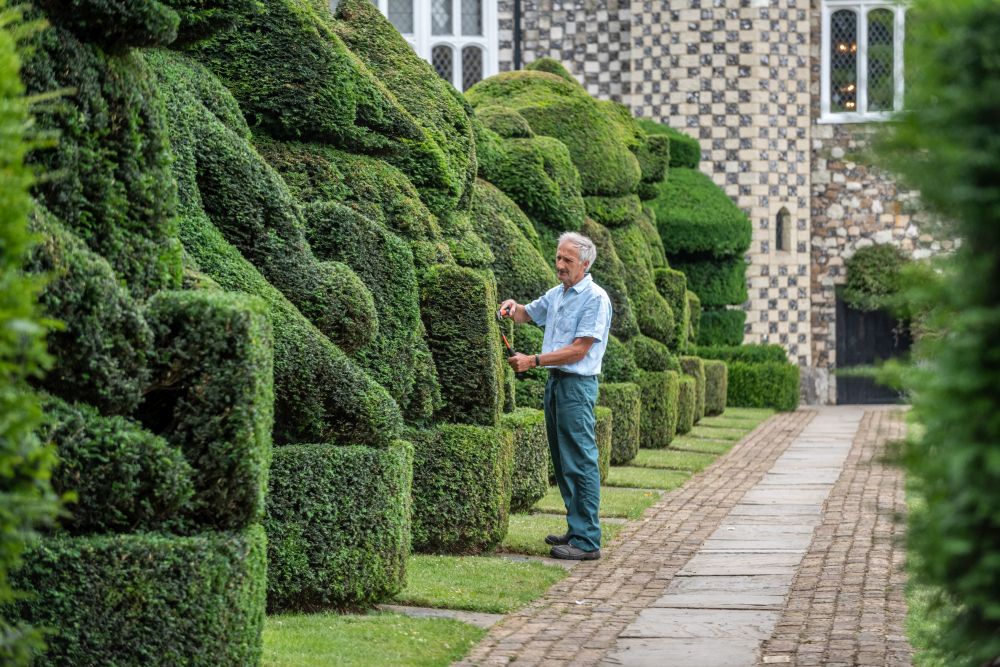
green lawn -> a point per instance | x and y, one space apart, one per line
476 583
712 433
372 640
647 478
527 533
615 502
756 415
702 445
673 459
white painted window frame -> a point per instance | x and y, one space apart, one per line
861 8
423 42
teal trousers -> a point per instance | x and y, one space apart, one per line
570 424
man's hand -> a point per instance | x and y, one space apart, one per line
508 308
521 362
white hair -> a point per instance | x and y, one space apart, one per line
585 247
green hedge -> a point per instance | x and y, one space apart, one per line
147 599
115 24
384 263
604 434
652 312
694 309
614 211
618 364
625 401
338 525
461 488
552 66
717 282
658 420
654 161
200 19
458 309
694 215
652 355
716 387
720 326
672 285
521 271
123 477
530 479
537 173
695 367
530 393
763 385
609 272
443 165
113 156
685 151
751 353
687 404
598 141
506 123
213 397
874 276
101 354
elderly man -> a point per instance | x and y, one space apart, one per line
577 318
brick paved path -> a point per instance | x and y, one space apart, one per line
847 606
580 618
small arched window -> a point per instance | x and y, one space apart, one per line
783 231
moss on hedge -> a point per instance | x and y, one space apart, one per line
147 599
338 525
384 262
609 272
458 309
652 312
476 460
213 397
604 434
717 282
521 271
652 355
444 167
672 286
537 173
625 401
763 385
123 477
658 421
716 387
618 364
556 107
694 215
685 151
530 478
114 188
695 367
720 326
101 354
687 404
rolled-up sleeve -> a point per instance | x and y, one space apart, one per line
538 309
594 318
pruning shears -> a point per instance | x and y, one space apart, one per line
510 349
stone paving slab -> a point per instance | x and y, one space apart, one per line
478 619
716 564
685 652
580 618
701 624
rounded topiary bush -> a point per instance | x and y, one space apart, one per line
461 487
721 326
652 355
716 387
530 478
604 434
338 525
695 367
687 403
618 364
625 401
672 285
763 385
685 151
658 420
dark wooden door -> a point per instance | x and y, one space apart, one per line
863 339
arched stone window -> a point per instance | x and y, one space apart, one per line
783 231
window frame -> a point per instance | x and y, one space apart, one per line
423 42
862 8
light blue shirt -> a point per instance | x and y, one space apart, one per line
582 311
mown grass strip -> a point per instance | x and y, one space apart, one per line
673 459
647 478
615 502
527 533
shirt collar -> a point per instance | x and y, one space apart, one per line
580 286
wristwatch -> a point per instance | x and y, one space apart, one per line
538 361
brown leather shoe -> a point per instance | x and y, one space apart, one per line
569 552
556 540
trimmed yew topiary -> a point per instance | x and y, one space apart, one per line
625 401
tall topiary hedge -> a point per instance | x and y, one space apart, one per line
479 461
695 367
530 478
658 417
945 147
604 434
625 401
672 286
716 387
721 326
685 151
687 404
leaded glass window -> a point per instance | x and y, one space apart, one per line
472 66
881 60
400 13
844 61
443 61
441 11
472 17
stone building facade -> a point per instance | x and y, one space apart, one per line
745 77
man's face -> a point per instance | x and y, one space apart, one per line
569 269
